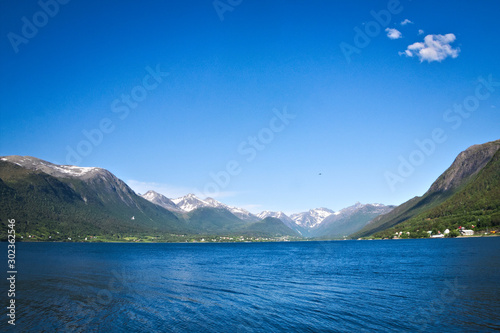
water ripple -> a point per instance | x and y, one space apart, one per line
403 286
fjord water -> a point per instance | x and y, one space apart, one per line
432 285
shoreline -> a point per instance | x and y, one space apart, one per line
246 242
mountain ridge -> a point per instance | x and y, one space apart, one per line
466 166
49 201
96 192
76 202
304 223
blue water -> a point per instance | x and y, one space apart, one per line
432 285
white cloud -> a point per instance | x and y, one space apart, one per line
406 21
174 191
420 32
393 33
434 48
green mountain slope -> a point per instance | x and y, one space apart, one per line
402 213
213 221
464 172
477 203
98 205
62 202
268 227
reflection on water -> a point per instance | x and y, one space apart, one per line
345 286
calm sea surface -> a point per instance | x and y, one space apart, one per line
432 285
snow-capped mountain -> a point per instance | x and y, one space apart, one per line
243 214
317 222
283 217
357 207
323 222
312 218
191 202
279 215
161 200
348 220
214 203
351 209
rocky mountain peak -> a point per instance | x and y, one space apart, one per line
467 164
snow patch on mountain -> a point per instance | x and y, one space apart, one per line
63 171
312 218
161 200
191 202
279 215
283 217
304 223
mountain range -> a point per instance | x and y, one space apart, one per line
49 199
53 201
319 222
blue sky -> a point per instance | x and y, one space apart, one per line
260 98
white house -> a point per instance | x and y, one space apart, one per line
465 232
